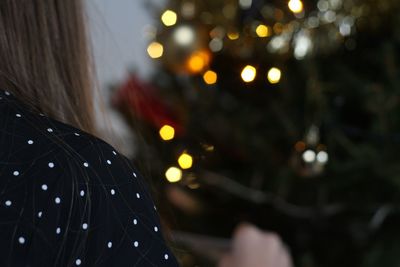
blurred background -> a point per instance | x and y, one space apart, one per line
285 114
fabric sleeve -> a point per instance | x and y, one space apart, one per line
123 225
86 207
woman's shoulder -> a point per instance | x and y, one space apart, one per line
35 147
34 143
27 134
70 183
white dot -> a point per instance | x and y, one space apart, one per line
78 262
18 115
7 92
112 192
76 134
109 162
41 114
40 214
115 153
49 130
109 244
21 240
16 173
166 256
58 230
309 156
322 157
184 35
155 208
134 221
134 174
44 187
51 165
57 200
137 195
84 226
136 244
8 203
86 164
155 229
82 193
30 142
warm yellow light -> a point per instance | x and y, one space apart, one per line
155 50
262 30
167 132
210 77
249 73
173 174
185 161
233 35
198 61
296 6
274 75
169 18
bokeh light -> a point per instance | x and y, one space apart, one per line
173 174
155 50
249 73
169 18
167 132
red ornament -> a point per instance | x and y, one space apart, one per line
142 100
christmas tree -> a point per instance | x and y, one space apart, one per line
285 114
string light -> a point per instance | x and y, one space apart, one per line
263 30
274 75
248 73
173 174
188 10
184 35
194 186
233 35
300 146
198 61
167 132
296 6
155 50
322 157
169 18
245 4
216 44
210 77
309 156
185 161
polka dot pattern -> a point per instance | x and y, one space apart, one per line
70 191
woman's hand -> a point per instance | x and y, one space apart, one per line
252 247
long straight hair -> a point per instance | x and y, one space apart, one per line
45 59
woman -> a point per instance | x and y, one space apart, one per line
67 197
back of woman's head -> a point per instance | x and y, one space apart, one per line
44 58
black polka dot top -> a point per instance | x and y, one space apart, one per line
68 198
